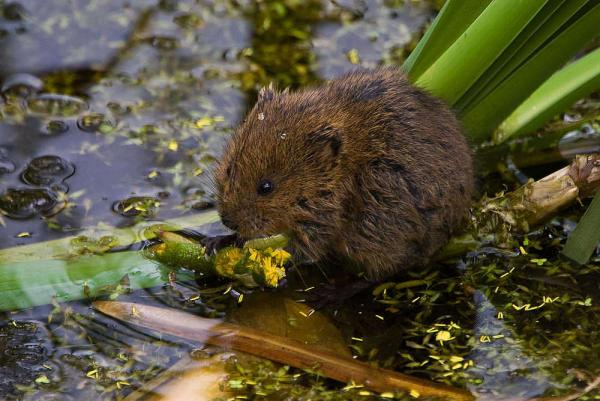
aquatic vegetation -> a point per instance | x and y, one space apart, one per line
258 263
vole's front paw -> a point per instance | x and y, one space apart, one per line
213 244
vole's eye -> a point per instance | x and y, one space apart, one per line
265 187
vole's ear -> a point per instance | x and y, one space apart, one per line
327 141
266 93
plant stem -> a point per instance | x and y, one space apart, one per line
276 348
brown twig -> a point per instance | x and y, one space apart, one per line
276 348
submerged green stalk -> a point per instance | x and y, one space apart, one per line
27 284
61 248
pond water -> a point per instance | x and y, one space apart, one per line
111 116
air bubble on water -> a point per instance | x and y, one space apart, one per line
48 171
24 203
137 206
56 105
21 85
54 127
95 122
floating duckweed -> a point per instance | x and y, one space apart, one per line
353 56
56 105
188 21
43 379
207 121
443 335
154 175
173 145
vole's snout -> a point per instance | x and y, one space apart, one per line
229 222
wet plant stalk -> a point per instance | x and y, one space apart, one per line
530 205
539 200
276 348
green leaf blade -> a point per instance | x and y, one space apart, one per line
547 23
486 115
585 238
454 18
451 75
565 87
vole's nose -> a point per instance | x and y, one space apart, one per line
228 222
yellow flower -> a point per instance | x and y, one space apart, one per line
280 256
226 260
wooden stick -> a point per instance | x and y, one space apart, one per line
279 349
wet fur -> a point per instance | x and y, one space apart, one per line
367 168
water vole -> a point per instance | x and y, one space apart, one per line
365 168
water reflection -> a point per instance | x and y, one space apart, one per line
498 355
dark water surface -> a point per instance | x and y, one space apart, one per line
113 112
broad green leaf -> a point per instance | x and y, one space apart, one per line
550 20
573 82
585 238
454 18
32 283
451 75
487 114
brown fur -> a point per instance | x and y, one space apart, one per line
366 168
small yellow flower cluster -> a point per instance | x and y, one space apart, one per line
255 264
266 266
